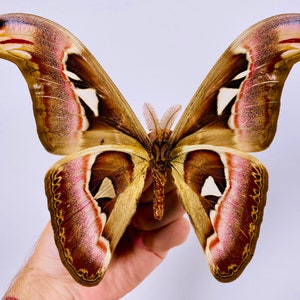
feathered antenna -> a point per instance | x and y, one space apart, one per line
160 129
151 117
167 120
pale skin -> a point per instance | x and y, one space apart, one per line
143 247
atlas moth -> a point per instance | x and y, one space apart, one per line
93 192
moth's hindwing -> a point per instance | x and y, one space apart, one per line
92 197
224 193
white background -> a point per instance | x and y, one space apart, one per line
155 51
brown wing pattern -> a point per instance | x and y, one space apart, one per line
224 193
76 105
92 197
237 105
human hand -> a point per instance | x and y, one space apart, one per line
143 247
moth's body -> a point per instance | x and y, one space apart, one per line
159 153
93 192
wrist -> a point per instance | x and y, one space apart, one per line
32 284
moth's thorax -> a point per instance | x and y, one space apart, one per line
160 151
